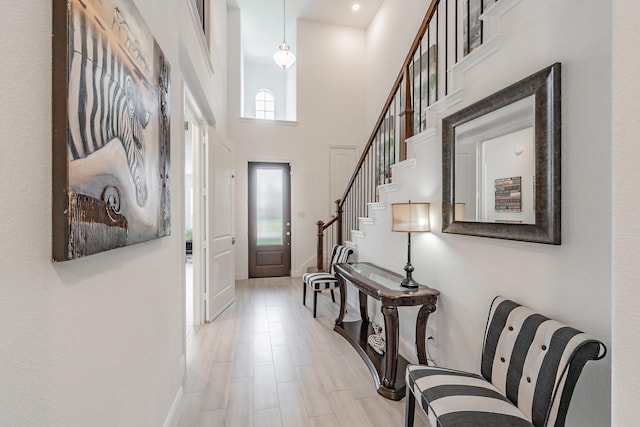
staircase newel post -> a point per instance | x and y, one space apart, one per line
406 116
320 249
339 214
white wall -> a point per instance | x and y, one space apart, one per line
96 341
330 96
626 203
508 156
571 282
258 76
389 37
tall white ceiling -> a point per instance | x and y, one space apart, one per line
262 20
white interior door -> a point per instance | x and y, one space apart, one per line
221 292
342 163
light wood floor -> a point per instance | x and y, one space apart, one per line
267 362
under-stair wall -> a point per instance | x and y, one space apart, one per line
570 282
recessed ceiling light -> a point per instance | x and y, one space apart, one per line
355 7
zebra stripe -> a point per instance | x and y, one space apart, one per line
323 280
527 356
530 365
104 101
339 254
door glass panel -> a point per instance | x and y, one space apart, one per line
270 219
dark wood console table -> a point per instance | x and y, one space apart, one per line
387 370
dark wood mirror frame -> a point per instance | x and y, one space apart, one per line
545 86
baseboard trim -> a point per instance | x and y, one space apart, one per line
223 308
175 412
183 368
407 350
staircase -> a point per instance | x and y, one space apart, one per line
519 38
454 37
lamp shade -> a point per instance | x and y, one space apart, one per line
410 217
284 57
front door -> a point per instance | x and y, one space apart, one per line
269 219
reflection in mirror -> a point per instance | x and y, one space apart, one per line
495 166
501 163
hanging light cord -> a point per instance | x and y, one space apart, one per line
284 21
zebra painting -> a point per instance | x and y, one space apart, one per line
111 142
108 103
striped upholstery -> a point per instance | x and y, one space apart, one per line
530 366
322 280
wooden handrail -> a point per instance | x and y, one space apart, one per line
377 170
339 217
323 226
329 224
319 249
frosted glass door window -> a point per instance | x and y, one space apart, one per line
269 202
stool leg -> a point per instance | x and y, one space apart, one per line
304 293
333 297
410 409
315 303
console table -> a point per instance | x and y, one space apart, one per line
384 286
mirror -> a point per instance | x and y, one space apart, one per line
501 163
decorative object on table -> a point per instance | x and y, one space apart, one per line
283 57
110 116
376 340
410 218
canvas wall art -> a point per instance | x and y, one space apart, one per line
472 25
110 108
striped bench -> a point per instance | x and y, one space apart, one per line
530 366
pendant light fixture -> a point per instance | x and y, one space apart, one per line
284 57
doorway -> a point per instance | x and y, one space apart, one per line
269 219
196 214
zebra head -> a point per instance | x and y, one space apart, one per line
136 118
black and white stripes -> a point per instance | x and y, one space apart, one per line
322 280
104 100
530 365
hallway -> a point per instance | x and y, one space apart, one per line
267 362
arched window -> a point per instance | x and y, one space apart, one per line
264 105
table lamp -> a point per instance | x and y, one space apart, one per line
410 218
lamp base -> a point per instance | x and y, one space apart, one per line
409 283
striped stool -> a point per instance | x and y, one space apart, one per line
322 281
530 366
